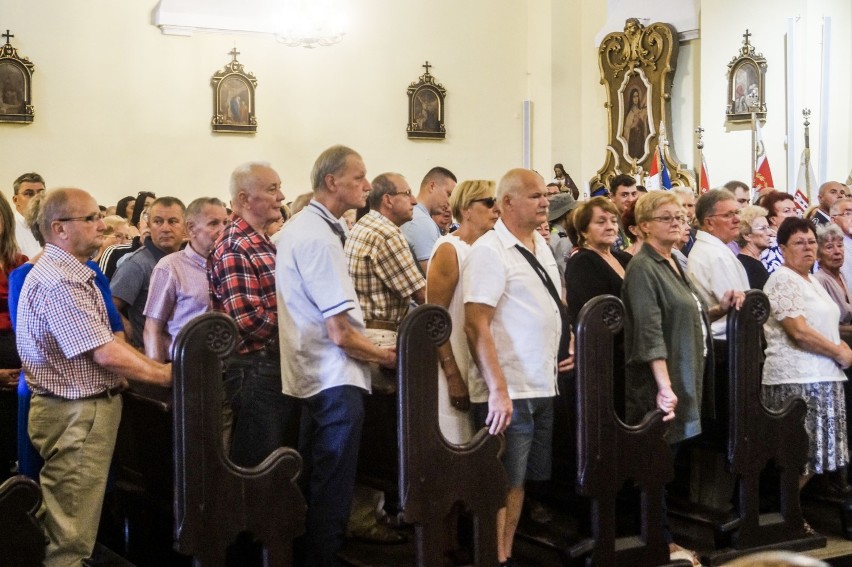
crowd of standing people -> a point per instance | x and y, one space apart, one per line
97 297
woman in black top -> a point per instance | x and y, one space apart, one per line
754 239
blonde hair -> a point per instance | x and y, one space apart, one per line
650 202
468 191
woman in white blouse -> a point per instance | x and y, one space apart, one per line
804 355
475 208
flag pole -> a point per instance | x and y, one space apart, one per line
753 154
809 190
700 145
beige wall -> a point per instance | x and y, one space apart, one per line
121 107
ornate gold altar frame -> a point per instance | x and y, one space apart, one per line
16 82
233 98
746 84
426 108
637 68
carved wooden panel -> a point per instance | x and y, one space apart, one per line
637 68
435 474
216 500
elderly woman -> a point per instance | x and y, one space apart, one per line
116 231
473 204
804 353
666 329
779 206
830 254
753 240
596 269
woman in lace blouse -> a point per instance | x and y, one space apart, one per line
804 353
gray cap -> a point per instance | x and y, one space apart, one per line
560 204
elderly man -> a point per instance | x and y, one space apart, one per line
75 368
241 274
421 231
513 325
178 287
687 201
380 263
829 193
841 215
712 267
623 193
130 283
325 353
25 187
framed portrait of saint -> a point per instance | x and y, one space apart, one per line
426 108
746 84
233 99
635 118
15 85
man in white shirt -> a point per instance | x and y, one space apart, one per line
24 188
513 325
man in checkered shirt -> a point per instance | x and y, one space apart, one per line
382 267
75 368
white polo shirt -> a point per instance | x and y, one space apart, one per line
526 324
312 284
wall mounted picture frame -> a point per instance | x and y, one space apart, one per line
746 84
234 98
637 70
16 81
426 108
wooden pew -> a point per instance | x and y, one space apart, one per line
755 436
22 541
434 474
610 452
216 500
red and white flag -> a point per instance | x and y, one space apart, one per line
705 181
805 184
762 174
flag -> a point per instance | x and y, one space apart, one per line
705 182
658 177
805 184
762 174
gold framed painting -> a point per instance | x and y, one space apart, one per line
234 98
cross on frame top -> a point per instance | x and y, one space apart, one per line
233 53
8 35
746 35
426 66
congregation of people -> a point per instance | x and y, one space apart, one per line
98 294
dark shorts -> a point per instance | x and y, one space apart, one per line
529 439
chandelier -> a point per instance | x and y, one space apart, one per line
310 23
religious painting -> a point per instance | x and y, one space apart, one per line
637 69
746 77
426 108
233 99
15 84
634 117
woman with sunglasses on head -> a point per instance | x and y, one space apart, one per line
475 208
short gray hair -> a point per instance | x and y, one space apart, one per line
194 209
747 216
511 182
331 162
827 233
706 204
835 208
243 176
681 190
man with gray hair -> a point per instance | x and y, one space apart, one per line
25 187
241 274
75 368
178 287
325 352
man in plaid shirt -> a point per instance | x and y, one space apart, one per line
75 367
241 272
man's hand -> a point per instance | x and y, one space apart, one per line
499 412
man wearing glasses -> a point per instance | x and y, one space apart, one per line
129 285
841 215
76 368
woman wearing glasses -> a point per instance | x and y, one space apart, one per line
753 240
804 353
666 331
473 205
116 231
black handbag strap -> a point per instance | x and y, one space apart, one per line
542 273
